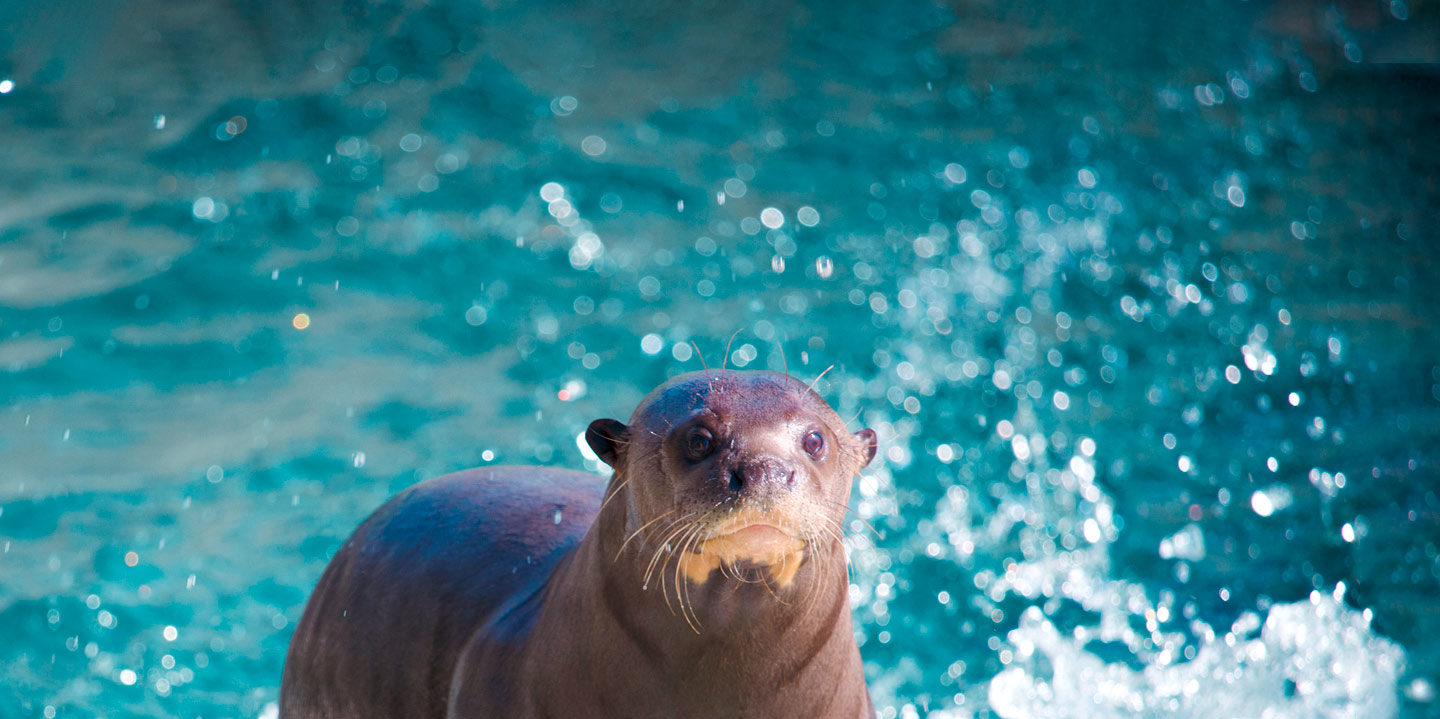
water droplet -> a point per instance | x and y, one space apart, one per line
824 266
564 105
1260 502
475 316
777 263
593 145
551 191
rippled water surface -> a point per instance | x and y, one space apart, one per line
1142 299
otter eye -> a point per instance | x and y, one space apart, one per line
699 442
814 444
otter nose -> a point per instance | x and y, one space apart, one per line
761 474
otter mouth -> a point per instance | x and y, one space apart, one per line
747 542
758 539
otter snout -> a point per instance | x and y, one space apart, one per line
760 475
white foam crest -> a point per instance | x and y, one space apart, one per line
1312 659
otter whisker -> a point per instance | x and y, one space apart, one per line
816 586
665 588
731 572
643 456
850 512
812 593
811 386
831 530
618 440
680 561
726 360
615 491
880 442
784 565
699 355
679 555
766 583
684 552
849 567
664 548
837 531
641 529
751 578
865 523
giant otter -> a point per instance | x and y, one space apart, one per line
707 579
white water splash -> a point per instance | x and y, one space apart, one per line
1314 658
1306 660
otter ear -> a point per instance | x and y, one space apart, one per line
605 437
867 445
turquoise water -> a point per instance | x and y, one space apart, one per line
1141 299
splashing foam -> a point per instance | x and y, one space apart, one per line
1313 658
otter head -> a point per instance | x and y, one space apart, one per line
728 471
